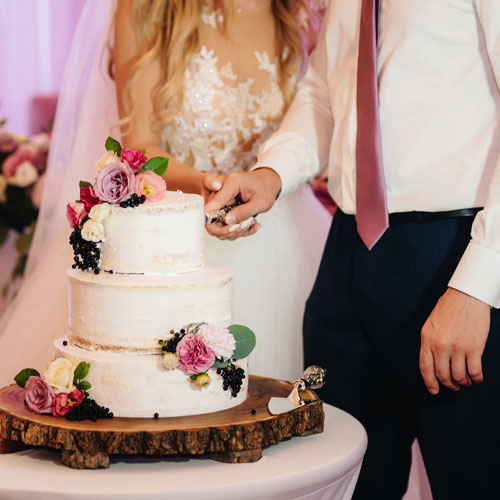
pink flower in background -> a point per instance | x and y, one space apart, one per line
219 340
152 185
7 141
134 157
115 182
88 197
39 396
75 213
23 153
194 355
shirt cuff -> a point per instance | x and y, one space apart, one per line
283 166
478 274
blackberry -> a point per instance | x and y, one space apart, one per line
232 378
87 253
88 409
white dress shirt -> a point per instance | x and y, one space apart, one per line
439 78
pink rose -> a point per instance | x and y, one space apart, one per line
88 197
115 182
219 339
23 153
194 355
150 184
64 402
39 396
134 157
75 213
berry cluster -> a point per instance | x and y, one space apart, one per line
133 201
87 253
171 345
232 378
88 409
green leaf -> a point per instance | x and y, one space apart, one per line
23 241
20 265
5 290
113 145
245 341
3 121
82 370
85 184
84 385
22 377
158 165
220 364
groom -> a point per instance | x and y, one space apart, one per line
401 100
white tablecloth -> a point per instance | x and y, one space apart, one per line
320 467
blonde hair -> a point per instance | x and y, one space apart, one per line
168 30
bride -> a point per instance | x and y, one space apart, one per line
204 83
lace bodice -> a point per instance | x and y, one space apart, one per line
232 101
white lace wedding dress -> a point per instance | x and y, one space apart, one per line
231 103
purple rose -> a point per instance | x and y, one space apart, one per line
194 355
38 395
134 158
115 182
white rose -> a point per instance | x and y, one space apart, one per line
100 212
26 174
108 157
3 187
60 373
93 231
170 361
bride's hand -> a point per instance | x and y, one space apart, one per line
210 184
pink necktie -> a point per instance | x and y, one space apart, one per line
371 203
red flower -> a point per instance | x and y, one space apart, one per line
88 197
64 402
134 157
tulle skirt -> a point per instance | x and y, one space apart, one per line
274 273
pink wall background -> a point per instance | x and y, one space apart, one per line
35 38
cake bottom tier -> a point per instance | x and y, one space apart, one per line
134 385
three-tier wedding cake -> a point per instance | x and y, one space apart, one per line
150 331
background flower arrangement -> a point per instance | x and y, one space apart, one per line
23 161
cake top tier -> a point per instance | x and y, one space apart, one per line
126 221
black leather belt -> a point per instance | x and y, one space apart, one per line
405 217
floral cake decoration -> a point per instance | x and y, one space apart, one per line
125 177
202 346
61 391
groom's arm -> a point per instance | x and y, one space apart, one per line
293 155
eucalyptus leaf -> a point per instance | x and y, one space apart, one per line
22 377
245 341
220 364
85 184
113 145
158 165
82 370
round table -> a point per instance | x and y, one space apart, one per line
320 467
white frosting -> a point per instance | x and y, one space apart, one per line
162 237
139 386
131 313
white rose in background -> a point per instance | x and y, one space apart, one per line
60 373
3 188
105 159
93 231
37 193
26 174
100 212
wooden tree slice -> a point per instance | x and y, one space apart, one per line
234 435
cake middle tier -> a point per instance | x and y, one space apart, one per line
130 313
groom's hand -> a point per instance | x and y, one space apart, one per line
258 189
453 341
